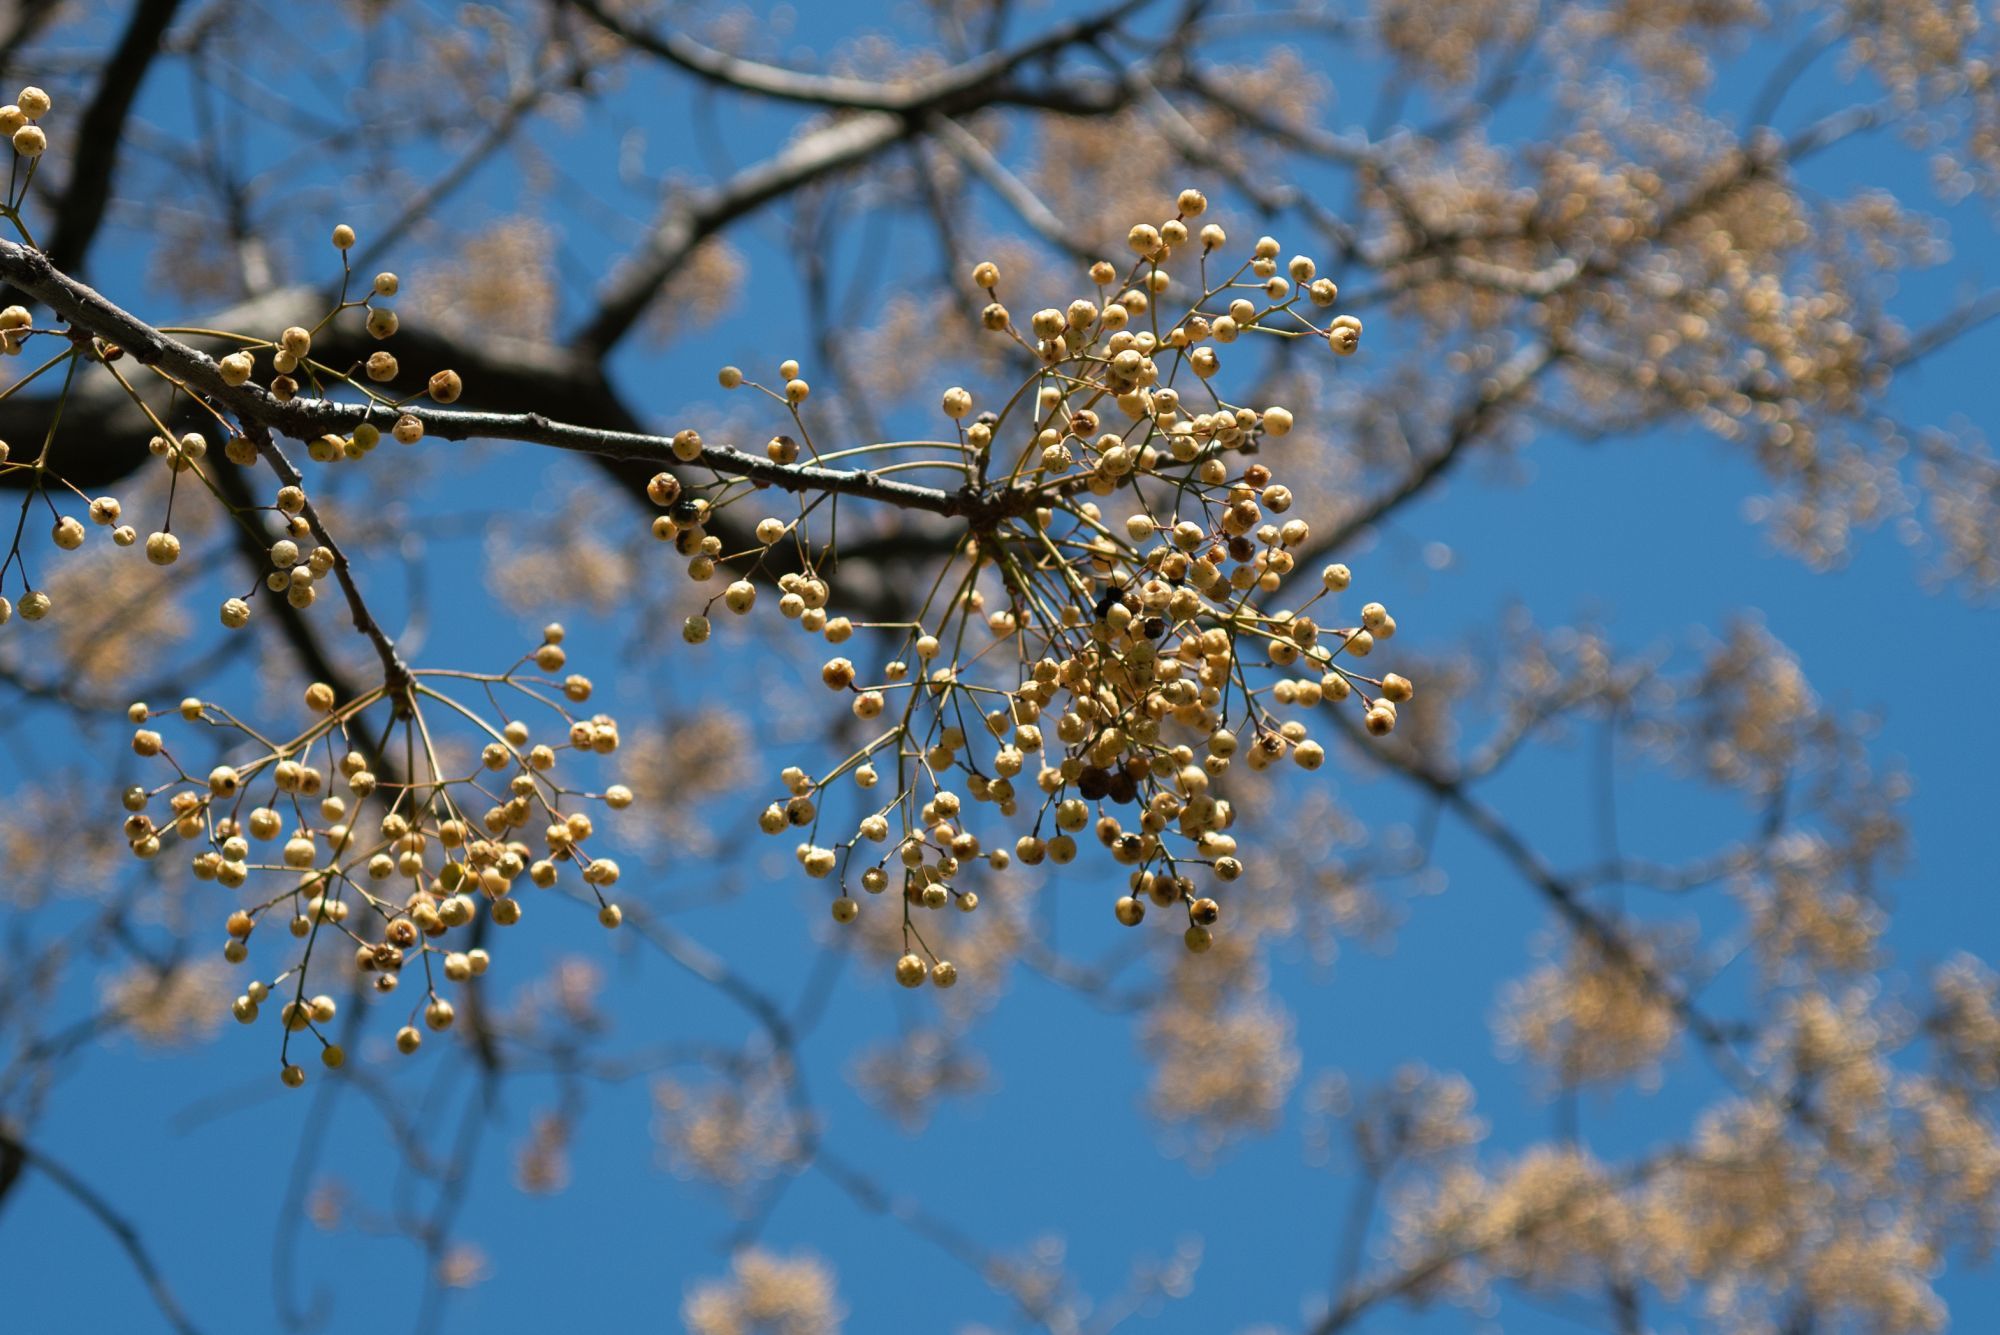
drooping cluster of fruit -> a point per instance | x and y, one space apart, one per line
360 836
1102 645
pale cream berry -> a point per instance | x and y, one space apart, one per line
343 238
30 141
319 697
740 596
796 390
446 386
163 549
382 322
33 102
1278 421
986 274
610 915
68 533
729 377
910 971
957 402
944 973
236 368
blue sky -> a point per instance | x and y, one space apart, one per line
1645 536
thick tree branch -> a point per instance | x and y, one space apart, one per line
687 224
305 419
823 152
945 92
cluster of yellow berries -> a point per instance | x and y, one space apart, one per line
1076 669
17 122
292 372
401 889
